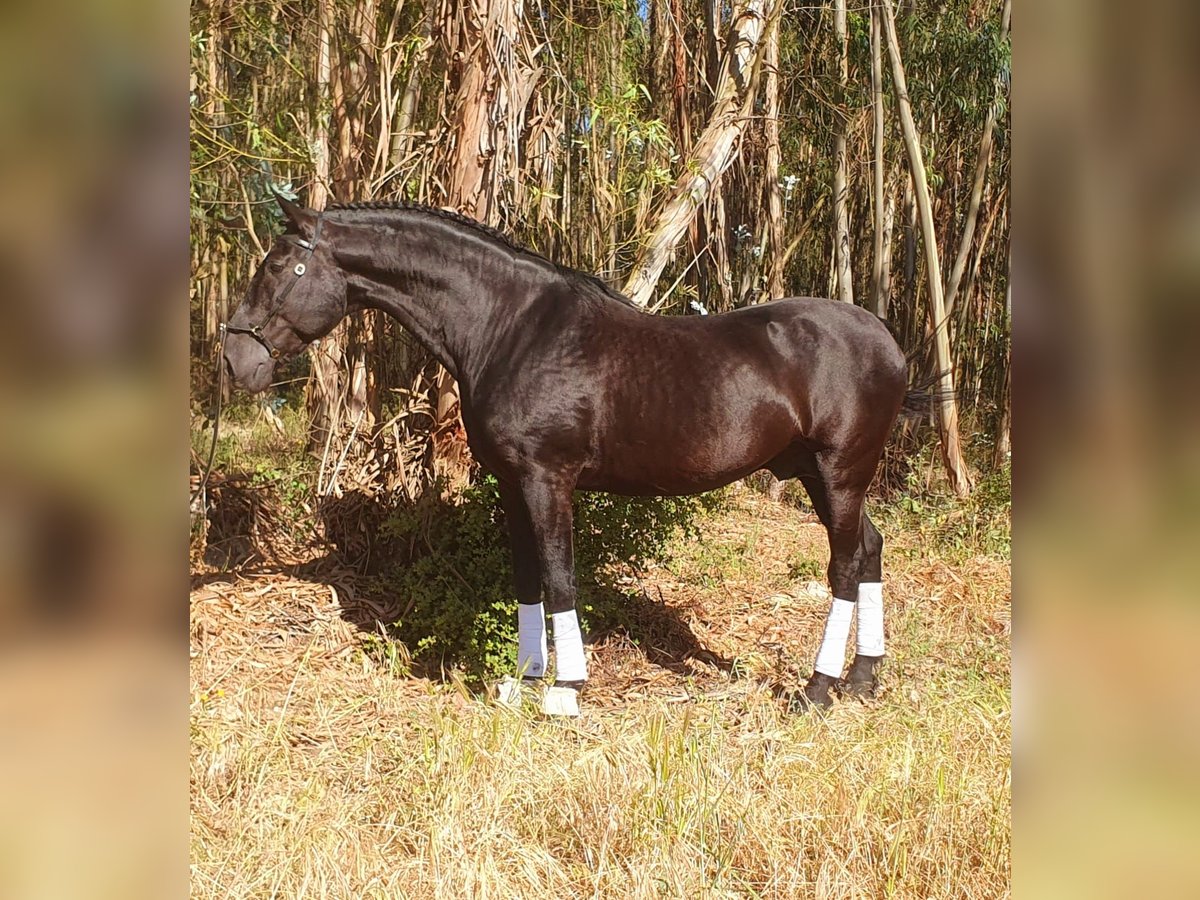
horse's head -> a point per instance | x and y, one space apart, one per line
297 295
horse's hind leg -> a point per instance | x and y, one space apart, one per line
838 502
861 679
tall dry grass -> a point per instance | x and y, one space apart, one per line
319 770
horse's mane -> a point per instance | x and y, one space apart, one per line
583 279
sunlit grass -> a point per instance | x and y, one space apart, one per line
316 771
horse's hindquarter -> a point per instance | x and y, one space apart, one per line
704 400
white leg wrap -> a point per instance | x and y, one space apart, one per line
831 658
569 663
870 619
531 640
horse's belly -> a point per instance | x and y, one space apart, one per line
662 483
660 460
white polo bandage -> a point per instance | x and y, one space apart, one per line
569 662
870 619
531 640
831 658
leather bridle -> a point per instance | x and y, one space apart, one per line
256 331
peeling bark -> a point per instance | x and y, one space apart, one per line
495 80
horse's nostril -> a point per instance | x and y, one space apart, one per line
228 368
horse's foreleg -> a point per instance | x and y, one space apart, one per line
548 499
527 580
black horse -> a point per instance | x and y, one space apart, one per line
567 385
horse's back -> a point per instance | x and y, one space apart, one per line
824 344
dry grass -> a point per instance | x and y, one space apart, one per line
318 770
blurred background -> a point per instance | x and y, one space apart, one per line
94 448
1107 426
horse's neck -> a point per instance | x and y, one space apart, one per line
444 294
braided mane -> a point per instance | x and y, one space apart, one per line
447 214
478 227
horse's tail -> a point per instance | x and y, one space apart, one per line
922 396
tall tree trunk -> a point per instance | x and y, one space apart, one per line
215 303
324 385
956 466
402 130
910 247
706 243
1004 431
712 45
1003 436
832 282
884 290
318 193
713 151
878 292
660 47
722 270
775 259
679 86
340 102
495 79
471 147
841 198
359 76
223 309
981 166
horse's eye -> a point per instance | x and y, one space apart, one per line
275 266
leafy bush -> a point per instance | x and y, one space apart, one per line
981 525
450 572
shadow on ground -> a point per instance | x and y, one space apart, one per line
435 576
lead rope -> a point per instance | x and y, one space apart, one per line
212 451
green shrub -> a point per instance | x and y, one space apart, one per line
450 571
980 525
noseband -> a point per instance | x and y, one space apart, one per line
256 331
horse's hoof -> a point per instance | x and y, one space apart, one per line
860 682
816 694
859 690
561 700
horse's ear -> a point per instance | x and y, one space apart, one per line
300 218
